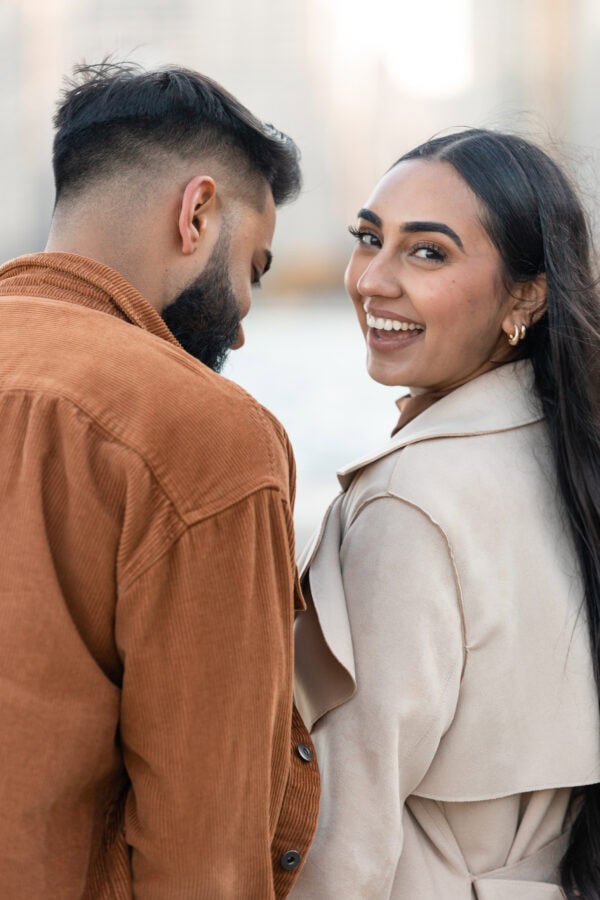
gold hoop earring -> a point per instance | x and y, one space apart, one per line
523 331
513 339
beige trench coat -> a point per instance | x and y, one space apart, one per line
443 664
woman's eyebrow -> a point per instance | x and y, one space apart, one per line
369 216
412 227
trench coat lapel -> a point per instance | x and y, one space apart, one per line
497 401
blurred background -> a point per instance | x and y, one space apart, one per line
356 84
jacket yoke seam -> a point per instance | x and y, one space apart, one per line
114 433
186 520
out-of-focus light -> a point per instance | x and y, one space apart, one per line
426 48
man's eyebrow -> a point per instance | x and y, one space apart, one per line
369 216
268 261
441 227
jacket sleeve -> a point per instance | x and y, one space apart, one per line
403 604
205 637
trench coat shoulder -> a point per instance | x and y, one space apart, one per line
488 432
323 635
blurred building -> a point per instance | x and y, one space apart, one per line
355 84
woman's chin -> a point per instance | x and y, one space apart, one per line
386 375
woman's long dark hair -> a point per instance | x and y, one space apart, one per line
535 219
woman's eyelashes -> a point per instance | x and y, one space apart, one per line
364 236
426 250
429 251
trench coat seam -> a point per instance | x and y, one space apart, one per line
457 585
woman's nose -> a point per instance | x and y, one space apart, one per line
379 279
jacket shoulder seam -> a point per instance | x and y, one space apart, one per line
142 568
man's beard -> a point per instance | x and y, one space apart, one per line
205 317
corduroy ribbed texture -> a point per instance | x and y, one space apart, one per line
149 741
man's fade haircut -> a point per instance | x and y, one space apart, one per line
116 117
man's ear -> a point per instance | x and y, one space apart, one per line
199 199
530 302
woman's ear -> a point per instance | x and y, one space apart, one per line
197 203
530 299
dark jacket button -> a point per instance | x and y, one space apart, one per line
290 860
304 752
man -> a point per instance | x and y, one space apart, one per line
149 745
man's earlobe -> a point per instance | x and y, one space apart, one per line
198 197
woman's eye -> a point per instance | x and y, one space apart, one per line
431 252
368 238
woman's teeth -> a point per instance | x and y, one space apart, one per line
392 324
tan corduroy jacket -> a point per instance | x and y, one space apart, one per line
444 662
147 585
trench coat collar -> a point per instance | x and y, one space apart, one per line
496 401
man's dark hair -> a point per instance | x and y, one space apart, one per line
116 117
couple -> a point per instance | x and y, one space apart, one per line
448 629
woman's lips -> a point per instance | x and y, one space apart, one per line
383 322
386 332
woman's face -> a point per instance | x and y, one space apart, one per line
426 280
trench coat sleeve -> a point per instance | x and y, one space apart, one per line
403 602
205 637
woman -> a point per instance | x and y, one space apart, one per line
448 661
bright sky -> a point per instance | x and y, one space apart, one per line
427 48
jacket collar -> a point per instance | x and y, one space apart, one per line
87 282
497 401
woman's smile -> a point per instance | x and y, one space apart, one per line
426 280
388 332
